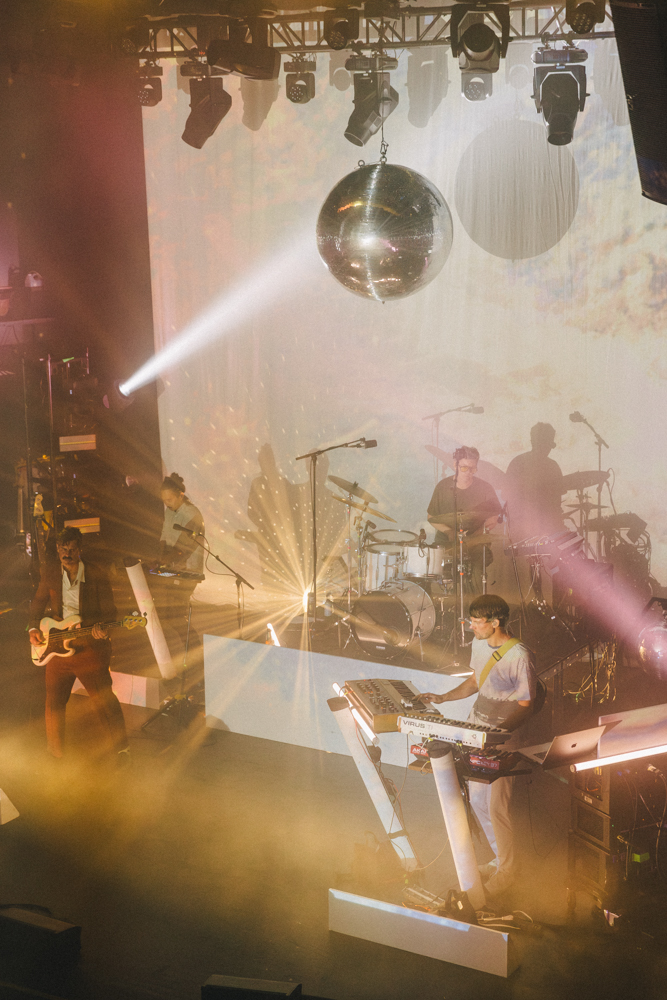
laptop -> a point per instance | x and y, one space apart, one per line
568 749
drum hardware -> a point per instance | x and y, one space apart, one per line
629 522
363 507
585 506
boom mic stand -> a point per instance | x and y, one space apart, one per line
313 456
180 703
239 580
435 426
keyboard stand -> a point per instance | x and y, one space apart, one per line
372 779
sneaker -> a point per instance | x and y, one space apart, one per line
499 884
488 870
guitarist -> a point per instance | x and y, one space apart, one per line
504 681
74 586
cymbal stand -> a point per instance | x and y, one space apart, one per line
522 602
484 564
459 573
600 443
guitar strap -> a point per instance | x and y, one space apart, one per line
495 657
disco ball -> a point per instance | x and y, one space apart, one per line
384 231
652 647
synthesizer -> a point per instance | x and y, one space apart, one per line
391 706
181 574
380 702
427 725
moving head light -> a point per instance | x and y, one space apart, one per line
374 97
255 59
559 90
477 47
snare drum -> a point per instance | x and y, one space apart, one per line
403 610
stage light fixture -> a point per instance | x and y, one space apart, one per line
341 28
253 59
300 80
374 97
583 15
478 60
559 89
477 47
150 85
209 103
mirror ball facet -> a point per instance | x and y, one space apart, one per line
384 231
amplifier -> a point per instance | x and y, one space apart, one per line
593 869
593 824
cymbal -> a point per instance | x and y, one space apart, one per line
586 506
364 506
353 488
583 480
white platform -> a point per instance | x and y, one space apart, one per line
425 934
131 689
281 694
638 729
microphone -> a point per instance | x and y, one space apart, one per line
476 409
363 443
576 417
187 531
369 524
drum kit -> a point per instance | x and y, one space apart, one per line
404 588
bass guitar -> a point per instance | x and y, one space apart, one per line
58 638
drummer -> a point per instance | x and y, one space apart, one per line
475 499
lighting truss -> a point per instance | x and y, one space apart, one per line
418 27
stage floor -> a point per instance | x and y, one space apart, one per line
214 852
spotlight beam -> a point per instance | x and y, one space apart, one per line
256 292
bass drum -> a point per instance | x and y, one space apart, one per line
393 618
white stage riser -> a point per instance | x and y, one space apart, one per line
131 689
281 694
424 934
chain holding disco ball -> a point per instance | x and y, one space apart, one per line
384 231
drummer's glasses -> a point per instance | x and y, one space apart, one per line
472 469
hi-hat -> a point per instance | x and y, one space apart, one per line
353 488
583 480
363 506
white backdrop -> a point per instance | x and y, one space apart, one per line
300 362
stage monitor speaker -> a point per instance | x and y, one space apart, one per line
32 937
641 37
234 988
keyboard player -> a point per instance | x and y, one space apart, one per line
179 550
505 693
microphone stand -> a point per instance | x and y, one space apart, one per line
313 456
600 442
238 578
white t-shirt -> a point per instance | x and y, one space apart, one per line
512 678
71 591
